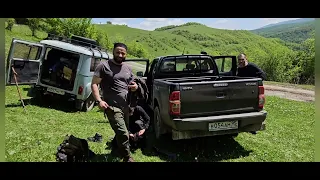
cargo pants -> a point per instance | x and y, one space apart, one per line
119 121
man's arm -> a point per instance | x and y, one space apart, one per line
95 90
145 116
260 73
96 80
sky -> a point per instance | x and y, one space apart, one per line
220 23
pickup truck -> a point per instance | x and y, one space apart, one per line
200 95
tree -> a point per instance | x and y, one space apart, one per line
109 22
71 26
34 24
10 23
103 40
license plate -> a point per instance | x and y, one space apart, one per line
56 91
218 126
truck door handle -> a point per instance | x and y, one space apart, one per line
220 95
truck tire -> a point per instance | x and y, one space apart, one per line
157 123
88 103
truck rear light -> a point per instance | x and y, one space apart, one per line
80 90
262 99
175 103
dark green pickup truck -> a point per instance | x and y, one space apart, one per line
200 95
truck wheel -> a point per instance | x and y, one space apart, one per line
79 104
157 123
89 103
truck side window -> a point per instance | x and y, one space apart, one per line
168 66
94 63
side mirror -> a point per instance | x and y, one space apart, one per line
140 73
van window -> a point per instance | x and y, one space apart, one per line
24 51
94 63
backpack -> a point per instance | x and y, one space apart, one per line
73 149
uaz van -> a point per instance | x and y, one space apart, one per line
57 66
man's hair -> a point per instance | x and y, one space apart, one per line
242 54
120 45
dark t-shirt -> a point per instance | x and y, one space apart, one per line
115 81
251 70
139 120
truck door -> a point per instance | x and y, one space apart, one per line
24 57
140 67
227 65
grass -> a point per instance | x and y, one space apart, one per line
301 86
36 135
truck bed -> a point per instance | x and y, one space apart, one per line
213 95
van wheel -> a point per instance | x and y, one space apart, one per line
157 123
89 103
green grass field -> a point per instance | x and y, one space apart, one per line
36 135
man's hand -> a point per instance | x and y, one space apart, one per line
133 86
131 135
103 105
141 132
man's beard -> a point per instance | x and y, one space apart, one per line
119 60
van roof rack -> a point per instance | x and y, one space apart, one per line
76 40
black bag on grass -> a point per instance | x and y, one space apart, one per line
73 149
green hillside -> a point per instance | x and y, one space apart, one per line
279 61
292 33
194 37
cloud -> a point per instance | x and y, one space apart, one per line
224 24
156 19
153 23
266 21
121 19
222 21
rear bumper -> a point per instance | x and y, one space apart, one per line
198 127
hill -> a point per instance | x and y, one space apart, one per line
270 54
301 20
295 31
193 38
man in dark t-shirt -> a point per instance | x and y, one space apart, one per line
247 69
116 79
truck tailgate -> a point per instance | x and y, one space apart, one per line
218 97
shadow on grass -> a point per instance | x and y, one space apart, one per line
207 149
47 102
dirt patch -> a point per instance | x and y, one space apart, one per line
290 93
